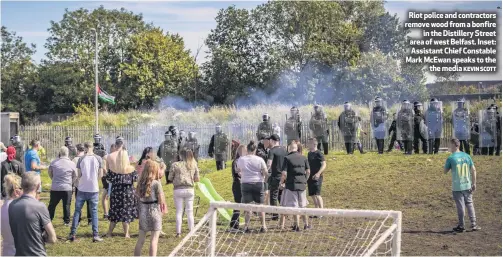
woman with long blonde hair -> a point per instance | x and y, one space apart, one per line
151 206
12 187
121 174
184 174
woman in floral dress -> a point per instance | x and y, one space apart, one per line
123 203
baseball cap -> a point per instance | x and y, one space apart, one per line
274 137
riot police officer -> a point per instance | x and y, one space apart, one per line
379 117
182 139
488 130
348 125
393 132
218 147
435 122
168 150
98 147
18 144
420 129
192 144
405 126
461 125
497 150
319 127
265 128
71 148
293 126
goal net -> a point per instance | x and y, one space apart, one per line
330 232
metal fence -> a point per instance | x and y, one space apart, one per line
139 137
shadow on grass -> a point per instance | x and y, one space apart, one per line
445 232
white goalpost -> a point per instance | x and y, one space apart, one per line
330 232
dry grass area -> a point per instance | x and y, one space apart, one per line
413 184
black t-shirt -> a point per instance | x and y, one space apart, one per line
295 165
277 155
315 159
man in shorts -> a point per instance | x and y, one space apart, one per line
294 175
464 178
317 165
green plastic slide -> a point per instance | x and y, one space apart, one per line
204 190
213 193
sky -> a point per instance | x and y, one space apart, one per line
193 20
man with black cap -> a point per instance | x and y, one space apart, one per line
275 160
71 148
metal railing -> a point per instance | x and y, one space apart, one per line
139 137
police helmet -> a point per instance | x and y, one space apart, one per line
461 103
119 140
347 106
378 101
218 128
97 139
265 117
16 139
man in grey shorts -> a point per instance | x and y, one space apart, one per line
294 176
253 172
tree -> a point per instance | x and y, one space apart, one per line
72 41
157 65
238 58
18 75
61 87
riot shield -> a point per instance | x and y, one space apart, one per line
349 126
379 121
487 128
169 151
318 125
291 128
264 130
434 120
405 123
461 120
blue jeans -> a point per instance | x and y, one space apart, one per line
92 199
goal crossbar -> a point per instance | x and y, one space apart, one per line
209 223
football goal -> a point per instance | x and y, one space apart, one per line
329 232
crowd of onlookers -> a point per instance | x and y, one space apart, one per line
266 173
133 192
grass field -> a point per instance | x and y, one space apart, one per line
413 184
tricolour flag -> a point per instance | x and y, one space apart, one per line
105 97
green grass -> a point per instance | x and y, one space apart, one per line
413 184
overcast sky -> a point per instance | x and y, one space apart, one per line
193 20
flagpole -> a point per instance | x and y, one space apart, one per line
96 79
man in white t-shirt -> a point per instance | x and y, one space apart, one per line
90 170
